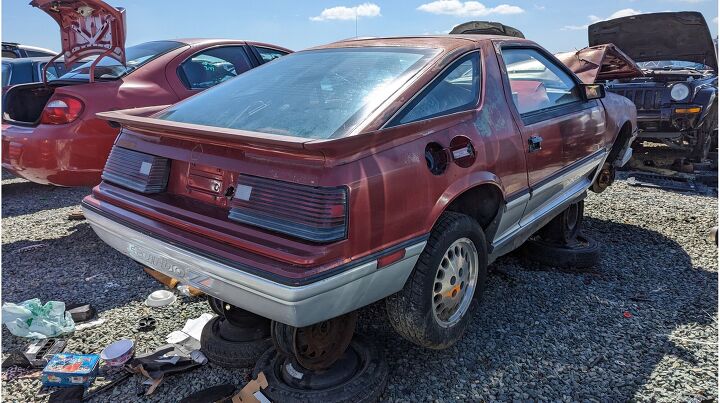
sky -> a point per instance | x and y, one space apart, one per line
558 25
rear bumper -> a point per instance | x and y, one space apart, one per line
298 306
54 155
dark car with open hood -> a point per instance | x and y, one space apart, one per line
676 97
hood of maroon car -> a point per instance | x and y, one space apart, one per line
600 63
87 28
659 36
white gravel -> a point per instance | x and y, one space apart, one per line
541 333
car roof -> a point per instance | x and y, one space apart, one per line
447 42
21 60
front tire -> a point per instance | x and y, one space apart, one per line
441 295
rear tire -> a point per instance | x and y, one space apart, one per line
423 311
583 253
233 353
565 228
365 386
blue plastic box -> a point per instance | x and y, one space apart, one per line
67 369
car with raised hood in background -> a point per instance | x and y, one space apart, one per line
30 70
50 132
369 169
13 50
676 96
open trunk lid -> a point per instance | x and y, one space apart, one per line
659 36
600 63
87 28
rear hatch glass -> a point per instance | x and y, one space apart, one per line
314 94
111 69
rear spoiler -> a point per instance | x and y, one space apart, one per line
138 118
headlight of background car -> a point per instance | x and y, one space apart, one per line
679 91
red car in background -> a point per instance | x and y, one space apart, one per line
50 132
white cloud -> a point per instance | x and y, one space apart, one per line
625 12
539 7
348 13
467 8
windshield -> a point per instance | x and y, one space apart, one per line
6 74
312 94
110 69
672 65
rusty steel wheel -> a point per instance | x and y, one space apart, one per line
317 346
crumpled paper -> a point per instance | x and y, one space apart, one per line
34 320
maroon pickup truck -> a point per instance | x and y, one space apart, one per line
369 169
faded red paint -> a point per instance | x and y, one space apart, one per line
74 154
393 196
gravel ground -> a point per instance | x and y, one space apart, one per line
541 333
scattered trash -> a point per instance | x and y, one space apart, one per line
118 353
189 291
713 236
81 312
16 359
251 392
76 216
70 394
159 364
212 394
170 282
167 280
14 373
40 352
33 320
31 247
123 377
146 324
68 369
88 325
188 339
661 182
160 298
627 314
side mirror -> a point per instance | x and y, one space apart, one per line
592 91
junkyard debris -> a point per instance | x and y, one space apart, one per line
32 319
212 394
167 280
73 394
68 369
251 393
146 324
160 298
81 312
38 353
661 182
164 361
118 353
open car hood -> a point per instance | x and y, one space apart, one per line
600 63
87 28
659 36
487 28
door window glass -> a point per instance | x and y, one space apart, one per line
456 89
536 82
211 67
267 54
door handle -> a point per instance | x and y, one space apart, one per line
534 144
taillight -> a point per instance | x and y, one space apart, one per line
138 171
61 109
317 214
